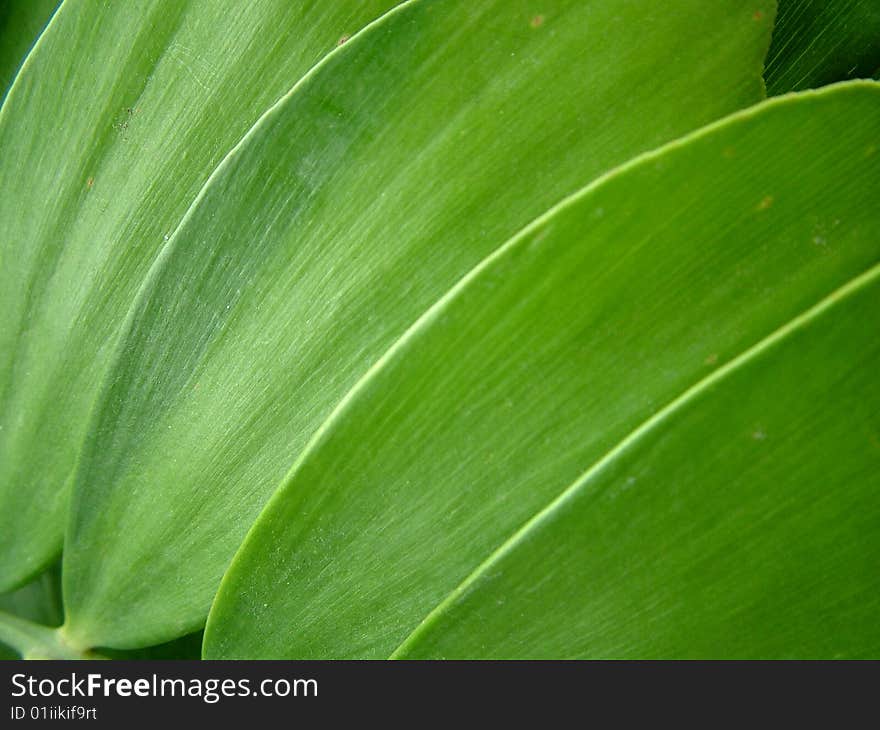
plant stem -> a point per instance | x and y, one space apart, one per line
34 641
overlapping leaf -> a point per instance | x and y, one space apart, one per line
397 165
760 543
645 426
38 601
117 120
564 351
818 42
21 22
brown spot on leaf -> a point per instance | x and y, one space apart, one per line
766 202
90 182
537 21
342 40
711 359
758 15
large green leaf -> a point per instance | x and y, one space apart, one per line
818 42
21 22
395 167
115 122
761 542
547 359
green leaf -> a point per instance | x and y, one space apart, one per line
38 601
817 42
114 124
21 22
396 166
762 542
555 355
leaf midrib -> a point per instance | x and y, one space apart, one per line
642 431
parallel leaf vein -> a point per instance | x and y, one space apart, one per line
657 420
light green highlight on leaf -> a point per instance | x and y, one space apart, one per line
116 121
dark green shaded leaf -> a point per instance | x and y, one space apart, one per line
21 22
38 601
186 647
818 42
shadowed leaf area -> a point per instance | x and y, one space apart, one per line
816 42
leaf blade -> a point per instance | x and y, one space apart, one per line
827 561
21 22
201 352
38 601
399 462
817 43
155 93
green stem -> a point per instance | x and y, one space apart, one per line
34 641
